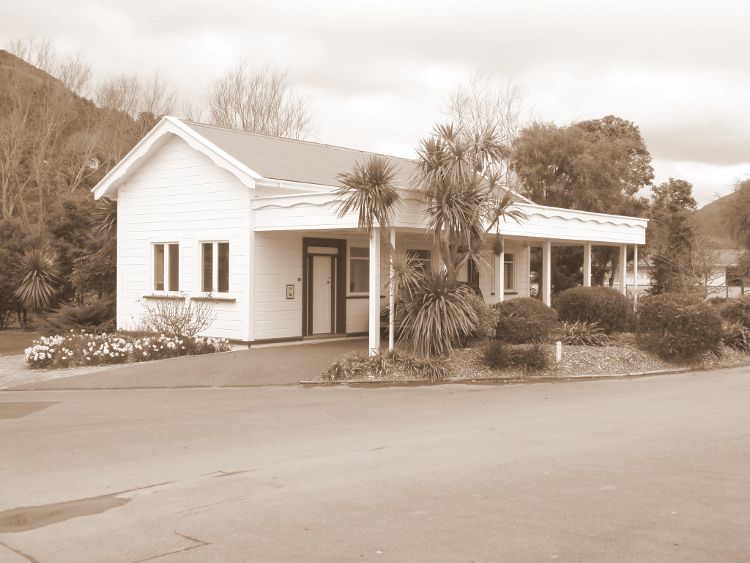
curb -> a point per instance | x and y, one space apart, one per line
513 380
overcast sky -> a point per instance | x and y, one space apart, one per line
377 73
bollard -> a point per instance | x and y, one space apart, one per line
558 352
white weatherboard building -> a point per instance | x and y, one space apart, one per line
248 222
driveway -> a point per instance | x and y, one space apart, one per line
617 470
272 365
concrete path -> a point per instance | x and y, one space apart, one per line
275 365
14 372
652 469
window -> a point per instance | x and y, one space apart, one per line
166 267
508 277
215 267
472 273
422 258
359 270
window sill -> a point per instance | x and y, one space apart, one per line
175 296
360 296
213 297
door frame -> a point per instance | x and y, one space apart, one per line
339 319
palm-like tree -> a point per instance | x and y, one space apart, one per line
464 197
39 285
105 217
368 190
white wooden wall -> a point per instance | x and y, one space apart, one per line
179 195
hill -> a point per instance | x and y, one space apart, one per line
711 220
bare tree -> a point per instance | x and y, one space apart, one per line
258 101
37 152
135 95
68 68
483 103
191 112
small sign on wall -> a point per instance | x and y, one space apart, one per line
290 291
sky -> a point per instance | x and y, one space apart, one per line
377 74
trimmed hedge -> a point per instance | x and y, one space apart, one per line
606 307
525 320
678 327
737 311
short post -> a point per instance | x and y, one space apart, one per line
558 352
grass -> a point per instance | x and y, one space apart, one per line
15 341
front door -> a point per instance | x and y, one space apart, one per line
323 277
324 306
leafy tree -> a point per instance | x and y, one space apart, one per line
671 237
596 165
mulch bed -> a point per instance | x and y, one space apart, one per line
577 361
621 357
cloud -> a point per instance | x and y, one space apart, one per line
709 180
377 73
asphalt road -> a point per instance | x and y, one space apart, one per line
646 469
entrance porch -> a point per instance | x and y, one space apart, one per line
318 275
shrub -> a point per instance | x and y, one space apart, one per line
737 311
678 326
356 366
437 313
178 317
525 320
499 355
487 319
602 305
97 315
359 366
531 358
737 336
582 333
86 349
434 369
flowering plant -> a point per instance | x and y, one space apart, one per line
85 349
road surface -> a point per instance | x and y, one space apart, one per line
645 469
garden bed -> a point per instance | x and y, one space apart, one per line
620 358
81 348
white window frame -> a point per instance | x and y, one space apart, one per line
167 273
509 281
349 259
214 267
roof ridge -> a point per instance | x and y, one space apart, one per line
302 141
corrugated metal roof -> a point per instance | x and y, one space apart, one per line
298 161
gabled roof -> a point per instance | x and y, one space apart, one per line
279 158
252 157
